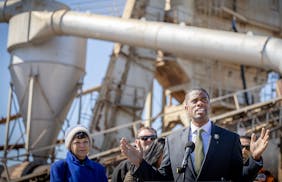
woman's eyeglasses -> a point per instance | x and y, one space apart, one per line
145 138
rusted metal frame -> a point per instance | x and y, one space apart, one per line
12 130
280 116
34 176
37 150
116 128
118 92
90 91
241 91
258 119
85 92
20 124
136 59
12 117
6 170
14 145
236 101
256 123
245 109
149 106
251 22
8 121
38 138
79 104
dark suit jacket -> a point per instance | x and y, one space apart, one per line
223 160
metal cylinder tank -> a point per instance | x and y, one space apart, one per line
46 76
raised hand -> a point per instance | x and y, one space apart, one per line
257 147
133 154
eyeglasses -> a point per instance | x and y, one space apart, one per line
145 138
247 147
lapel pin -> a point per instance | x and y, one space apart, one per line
216 137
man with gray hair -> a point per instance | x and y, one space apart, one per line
145 137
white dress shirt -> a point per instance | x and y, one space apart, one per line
206 136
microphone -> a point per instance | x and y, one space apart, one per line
189 148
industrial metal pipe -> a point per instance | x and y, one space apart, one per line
9 8
183 41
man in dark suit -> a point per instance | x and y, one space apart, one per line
217 155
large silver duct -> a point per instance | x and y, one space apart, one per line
46 76
183 41
9 8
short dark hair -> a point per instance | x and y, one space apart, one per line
146 128
245 137
196 89
80 135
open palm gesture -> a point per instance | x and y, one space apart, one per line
133 154
258 146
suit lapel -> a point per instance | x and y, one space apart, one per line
214 141
181 144
191 167
184 140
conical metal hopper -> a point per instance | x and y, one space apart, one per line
46 77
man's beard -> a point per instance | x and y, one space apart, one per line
246 157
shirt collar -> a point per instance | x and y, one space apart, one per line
74 159
206 127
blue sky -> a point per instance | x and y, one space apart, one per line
4 62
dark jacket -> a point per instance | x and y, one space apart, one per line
251 169
120 171
71 169
154 152
223 160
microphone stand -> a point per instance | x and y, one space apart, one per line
189 148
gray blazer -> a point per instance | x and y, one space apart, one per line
223 161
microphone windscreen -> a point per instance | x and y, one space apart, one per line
190 145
